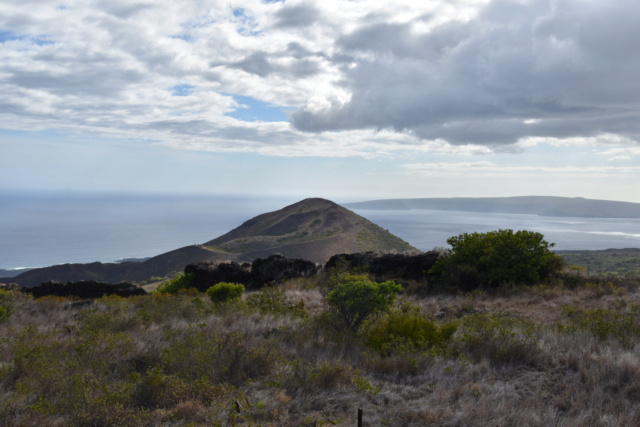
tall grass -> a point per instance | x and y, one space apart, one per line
278 357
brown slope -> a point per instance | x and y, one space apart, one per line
170 263
100 272
164 265
312 229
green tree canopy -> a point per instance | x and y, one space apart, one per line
355 300
499 257
224 292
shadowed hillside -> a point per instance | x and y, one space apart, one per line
312 229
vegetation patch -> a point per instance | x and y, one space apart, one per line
622 326
406 330
314 351
356 300
225 292
497 258
178 283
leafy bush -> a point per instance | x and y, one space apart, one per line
605 324
178 283
355 301
500 339
408 331
272 300
6 303
497 258
224 291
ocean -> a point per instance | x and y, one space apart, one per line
43 230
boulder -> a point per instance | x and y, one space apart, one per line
387 266
84 289
206 274
263 271
276 268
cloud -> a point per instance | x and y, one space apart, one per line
301 15
516 70
619 158
485 168
365 79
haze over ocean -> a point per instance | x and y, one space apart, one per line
43 230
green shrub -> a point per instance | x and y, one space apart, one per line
224 292
6 303
499 339
498 258
408 331
355 301
270 300
605 324
203 354
178 283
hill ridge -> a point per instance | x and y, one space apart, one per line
313 229
533 205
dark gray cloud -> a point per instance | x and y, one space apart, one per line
94 81
536 68
256 63
263 64
297 16
124 11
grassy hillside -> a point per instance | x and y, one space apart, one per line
312 229
618 261
534 356
315 229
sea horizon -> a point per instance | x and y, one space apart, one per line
41 230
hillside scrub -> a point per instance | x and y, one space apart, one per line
356 300
173 360
224 292
178 283
496 258
544 355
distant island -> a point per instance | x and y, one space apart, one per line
531 205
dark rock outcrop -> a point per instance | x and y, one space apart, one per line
84 289
206 274
387 266
276 268
263 271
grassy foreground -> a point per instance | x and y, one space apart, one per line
538 356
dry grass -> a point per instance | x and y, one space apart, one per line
517 358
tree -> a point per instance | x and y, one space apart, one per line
178 283
224 292
498 257
355 300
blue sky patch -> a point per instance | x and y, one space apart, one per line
186 37
255 110
247 23
6 36
181 90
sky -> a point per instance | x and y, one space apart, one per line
349 100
